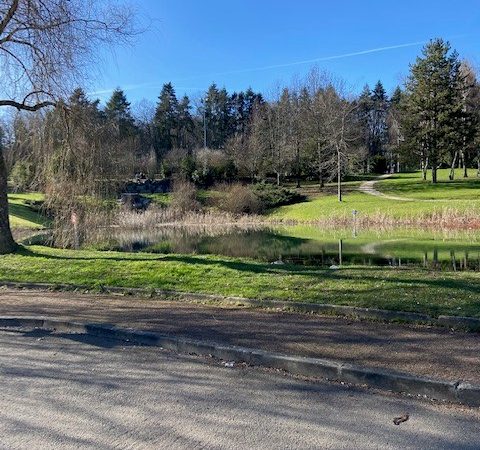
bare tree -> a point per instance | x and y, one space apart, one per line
45 48
331 126
340 131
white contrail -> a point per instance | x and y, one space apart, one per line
132 87
279 66
313 60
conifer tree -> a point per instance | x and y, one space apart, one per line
434 111
166 120
185 124
118 111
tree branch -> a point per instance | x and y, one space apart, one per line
8 17
25 107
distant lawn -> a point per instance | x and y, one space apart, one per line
417 290
460 194
23 215
413 186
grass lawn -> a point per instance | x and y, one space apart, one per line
22 215
411 185
417 290
460 194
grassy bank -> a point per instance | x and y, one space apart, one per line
458 197
397 289
411 185
22 214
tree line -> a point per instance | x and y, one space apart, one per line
76 150
313 129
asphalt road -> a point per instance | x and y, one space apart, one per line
72 391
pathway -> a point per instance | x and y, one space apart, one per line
368 187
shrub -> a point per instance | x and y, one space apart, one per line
184 197
22 176
237 199
272 196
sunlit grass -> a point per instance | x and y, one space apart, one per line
412 185
418 290
460 195
22 215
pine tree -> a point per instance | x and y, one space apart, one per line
378 124
166 120
434 109
471 119
395 136
218 116
372 112
185 124
118 111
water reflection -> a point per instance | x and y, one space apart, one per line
302 246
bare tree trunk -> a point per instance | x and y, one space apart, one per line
434 173
298 163
464 164
452 167
320 167
478 163
424 165
7 244
339 177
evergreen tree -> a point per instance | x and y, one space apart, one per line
373 110
364 109
434 111
117 110
395 136
471 119
378 123
166 120
185 124
218 116
239 113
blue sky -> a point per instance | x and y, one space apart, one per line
260 43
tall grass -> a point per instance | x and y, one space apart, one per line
442 218
155 217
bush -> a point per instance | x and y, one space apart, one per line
272 196
184 197
213 166
22 176
237 199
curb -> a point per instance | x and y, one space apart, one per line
451 391
455 322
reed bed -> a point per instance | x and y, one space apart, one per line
442 218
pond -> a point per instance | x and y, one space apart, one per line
307 245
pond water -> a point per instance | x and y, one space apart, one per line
309 245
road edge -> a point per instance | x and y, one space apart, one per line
450 391
461 323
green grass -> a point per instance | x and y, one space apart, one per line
417 290
159 199
411 185
461 194
22 215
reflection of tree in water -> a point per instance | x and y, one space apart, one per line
270 245
266 245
